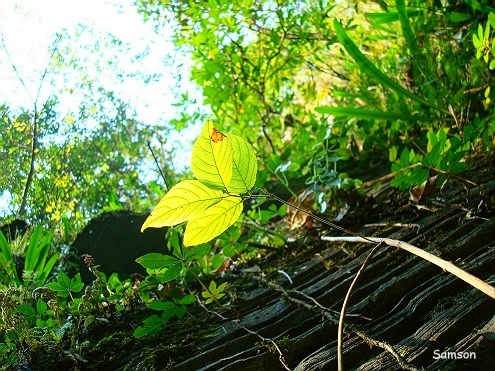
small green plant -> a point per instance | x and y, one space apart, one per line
180 265
37 266
444 154
65 286
214 293
484 42
175 307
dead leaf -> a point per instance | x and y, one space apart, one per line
427 188
297 218
216 136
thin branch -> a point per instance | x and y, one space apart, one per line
449 267
329 315
340 358
158 166
289 297
389 348
400 225
263 339
29 180
35 123
321 220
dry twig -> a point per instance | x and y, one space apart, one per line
262 338
449 267
340 358
330 315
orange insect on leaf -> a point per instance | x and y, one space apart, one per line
216 136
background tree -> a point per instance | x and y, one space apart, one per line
83 150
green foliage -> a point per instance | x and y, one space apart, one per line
7 262
37 266
65 286
225 166
484 41
443 154
36 257
369 68
214 293
175 307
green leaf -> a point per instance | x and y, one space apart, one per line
404 158
55 286
213 221
491 19
198 252
368 67
171 273
407 31
370 115
392 154
27 310
152 325
156 260
63 279
184 201
457 17
216 262
389 17
7 260
244 166
476 42
188 299
41 306
31 256
212 157
48 268
76 284
161 305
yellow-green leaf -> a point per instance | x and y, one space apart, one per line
212 156
244 165
213 221
184 201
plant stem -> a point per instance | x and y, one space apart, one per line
321 220
340 358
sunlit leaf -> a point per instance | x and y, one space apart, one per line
212 156
213 221
184 201
244 167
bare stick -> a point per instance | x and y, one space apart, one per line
262 338
389 348
158 166
399 225
340 358
329 315
449 267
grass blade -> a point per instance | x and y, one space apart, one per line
369 68
7 260
371 115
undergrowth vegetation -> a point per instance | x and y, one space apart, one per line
313 93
